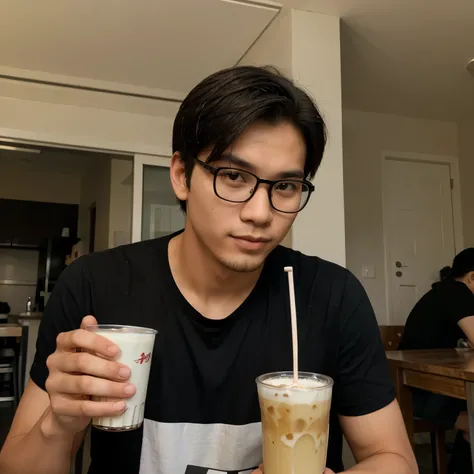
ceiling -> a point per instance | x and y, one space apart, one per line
405 57
165 44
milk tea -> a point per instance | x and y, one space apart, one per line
136 349
295 422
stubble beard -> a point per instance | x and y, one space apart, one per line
243 264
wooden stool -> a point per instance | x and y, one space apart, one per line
438 447
8 365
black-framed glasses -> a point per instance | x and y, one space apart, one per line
235 185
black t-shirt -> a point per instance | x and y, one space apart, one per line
202 413
433 322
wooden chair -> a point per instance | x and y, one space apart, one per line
391 336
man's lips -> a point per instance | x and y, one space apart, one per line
250 242
251 238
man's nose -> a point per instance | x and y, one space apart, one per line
258 209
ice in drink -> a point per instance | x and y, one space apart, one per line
295 422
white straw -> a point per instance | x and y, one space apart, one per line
294 326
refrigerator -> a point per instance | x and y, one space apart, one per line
51 263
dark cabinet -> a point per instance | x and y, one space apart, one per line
29 223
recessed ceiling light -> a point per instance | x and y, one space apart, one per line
19 148
470 65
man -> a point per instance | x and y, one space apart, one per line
244 142
448 311
76 251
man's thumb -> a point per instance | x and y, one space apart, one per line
88 321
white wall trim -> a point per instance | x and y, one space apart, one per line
139 161
453 163
59 80
262 4
79 143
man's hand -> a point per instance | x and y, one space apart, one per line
82 367
261 471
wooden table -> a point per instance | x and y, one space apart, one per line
446 371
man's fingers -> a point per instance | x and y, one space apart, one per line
62 383
86 341
88 321
64 406
89 364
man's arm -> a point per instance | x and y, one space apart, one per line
379 442
467 326
33 426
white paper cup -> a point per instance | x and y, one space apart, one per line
136 350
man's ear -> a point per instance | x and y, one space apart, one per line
178 177
470 278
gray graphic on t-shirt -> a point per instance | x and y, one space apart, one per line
206 470
172 448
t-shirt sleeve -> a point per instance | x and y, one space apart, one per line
64 311
363 383
460 304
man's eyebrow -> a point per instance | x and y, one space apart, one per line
241 163
297 174
236 161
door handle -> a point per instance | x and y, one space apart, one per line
399 264
398 274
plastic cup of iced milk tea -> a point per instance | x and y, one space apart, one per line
295 422
136 349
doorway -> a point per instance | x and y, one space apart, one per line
156 211
422 226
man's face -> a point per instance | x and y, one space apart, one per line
241 235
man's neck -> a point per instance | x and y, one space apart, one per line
211 288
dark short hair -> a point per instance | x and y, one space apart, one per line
463 263
216 112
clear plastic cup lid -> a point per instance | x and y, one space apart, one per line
117 328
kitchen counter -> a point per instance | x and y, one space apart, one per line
29 315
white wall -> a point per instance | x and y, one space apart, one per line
303 44
274 47
319 230
366 136
96 189
120 217
28 183
466 169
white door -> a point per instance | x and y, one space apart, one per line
156 210
418 229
